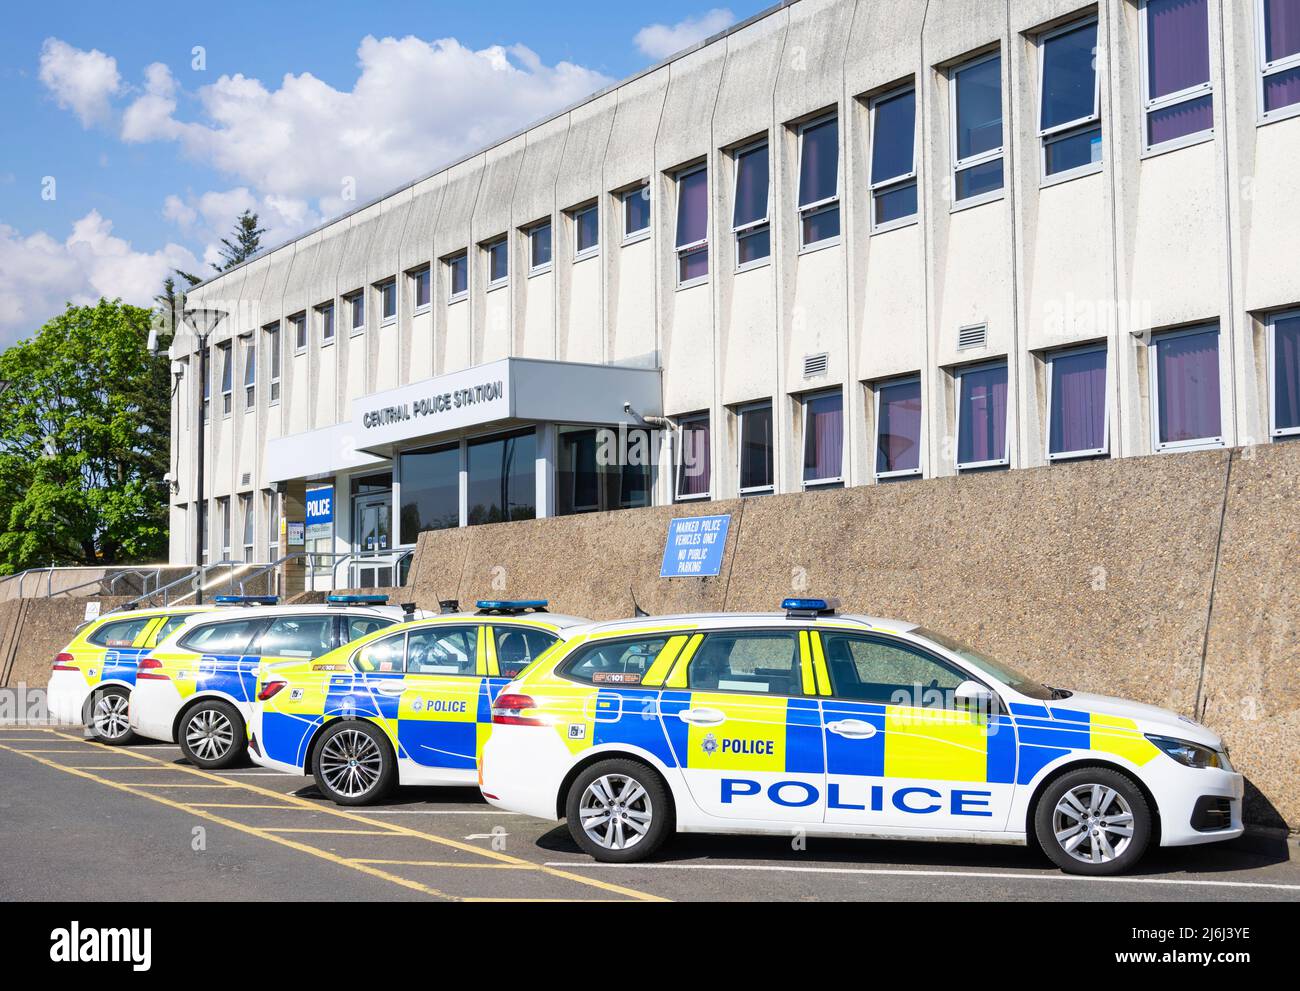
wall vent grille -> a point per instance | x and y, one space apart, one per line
815 364
972 337
245 479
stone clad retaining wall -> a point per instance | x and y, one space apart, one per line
1172 579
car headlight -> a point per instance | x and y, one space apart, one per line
1191 754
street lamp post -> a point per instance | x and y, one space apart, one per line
204 322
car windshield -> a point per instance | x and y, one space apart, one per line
1009 676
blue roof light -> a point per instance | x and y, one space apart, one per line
357 600
511 605
810 607
246 600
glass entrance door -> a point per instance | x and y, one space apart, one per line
372 545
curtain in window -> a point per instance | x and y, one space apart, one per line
983 416
1187 375
1286 373
818 170
1281 28
1078 414
1178 45
756 448
898 435
692 208
823 448
751 187
693 460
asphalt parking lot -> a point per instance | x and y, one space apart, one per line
86 822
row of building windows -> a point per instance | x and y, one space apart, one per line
1185 413
599 469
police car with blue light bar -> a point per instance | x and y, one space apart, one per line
196 687
842 725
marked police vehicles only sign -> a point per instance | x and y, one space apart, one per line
695 545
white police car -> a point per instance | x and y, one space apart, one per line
197 686
841 725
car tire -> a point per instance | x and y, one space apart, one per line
106 715
212 735
353 763
1094 821
635 794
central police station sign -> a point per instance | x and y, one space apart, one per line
455 401
320 513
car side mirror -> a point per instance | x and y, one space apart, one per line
973 697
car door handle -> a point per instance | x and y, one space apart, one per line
391 689
852 729
702 717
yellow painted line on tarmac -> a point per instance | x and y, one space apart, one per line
171 784
241 827
122 767
393 829
443 863
231 805
333 832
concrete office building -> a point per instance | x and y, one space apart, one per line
844 243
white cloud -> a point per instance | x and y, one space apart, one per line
211 216
658 41
39 274
80 81
415 105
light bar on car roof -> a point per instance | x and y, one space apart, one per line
357 600
510 607
246 600
805 608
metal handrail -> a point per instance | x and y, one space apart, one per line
145 574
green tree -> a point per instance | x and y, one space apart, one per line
84 441
247 241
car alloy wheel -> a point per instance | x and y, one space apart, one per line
615 811
351 763
1093 823
209 734
109 716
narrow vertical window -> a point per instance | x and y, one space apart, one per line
893 158
250 522
273 360
636 212
1284 361
1178 99
223 510
421 288
227 377
586 231
756 449
250 375
299 324
498 261
819 181
982 416
387 302
692 226
750 215
326 323
1076 403
823 439
539 247
693 457
976 94
357 311
1185 391
1279 53
1069 115
457 276
898 428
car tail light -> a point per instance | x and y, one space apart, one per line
63 662
147 669
270 689
507 710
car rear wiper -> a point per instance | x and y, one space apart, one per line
1059 693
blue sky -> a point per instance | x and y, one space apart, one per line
123 158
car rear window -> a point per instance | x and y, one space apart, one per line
119 633
620 662
221 638
518 647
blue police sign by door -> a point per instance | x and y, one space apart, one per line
320 512
695 545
